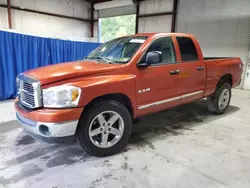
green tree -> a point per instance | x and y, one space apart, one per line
114 27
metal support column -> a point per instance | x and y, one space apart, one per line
92 20
175 5
137 16
9 14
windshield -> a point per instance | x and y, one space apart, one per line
118 50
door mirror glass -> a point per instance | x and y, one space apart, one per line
153 57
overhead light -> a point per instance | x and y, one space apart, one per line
113 4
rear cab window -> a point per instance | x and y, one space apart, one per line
187 49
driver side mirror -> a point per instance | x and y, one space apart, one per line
151 59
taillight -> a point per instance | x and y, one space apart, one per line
241 65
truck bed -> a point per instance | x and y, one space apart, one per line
219 66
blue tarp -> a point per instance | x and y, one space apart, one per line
19 53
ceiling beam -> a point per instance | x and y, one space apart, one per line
46 13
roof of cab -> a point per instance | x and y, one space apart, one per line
153 34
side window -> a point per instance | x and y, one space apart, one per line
187 49
166 47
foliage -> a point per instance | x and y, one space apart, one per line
114 27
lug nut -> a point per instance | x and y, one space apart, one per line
105 132
101 129
108 124
103 124
109 129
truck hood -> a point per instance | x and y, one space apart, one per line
62 71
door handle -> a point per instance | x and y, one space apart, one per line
200 68
173 72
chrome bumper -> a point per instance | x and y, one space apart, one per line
45 129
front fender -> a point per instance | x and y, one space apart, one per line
97 86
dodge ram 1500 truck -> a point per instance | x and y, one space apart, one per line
95 99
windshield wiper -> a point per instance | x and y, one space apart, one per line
104 58
107 60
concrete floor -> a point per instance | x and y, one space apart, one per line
183 147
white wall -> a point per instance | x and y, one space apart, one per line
3 18
155 23
156 6
96 29
50 26
222 27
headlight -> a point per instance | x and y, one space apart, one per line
17 82
61 96
17 85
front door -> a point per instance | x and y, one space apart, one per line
158 85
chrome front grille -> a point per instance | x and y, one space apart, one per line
27 94
29 91
28 87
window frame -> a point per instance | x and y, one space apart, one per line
190 61
160 64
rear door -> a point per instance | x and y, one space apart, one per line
157 86
193 70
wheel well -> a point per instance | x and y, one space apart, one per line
123 99
227 78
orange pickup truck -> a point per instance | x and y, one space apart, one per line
95 99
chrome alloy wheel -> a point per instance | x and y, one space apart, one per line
106 129
224 99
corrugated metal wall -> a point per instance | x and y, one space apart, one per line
155 23
49 26
221 26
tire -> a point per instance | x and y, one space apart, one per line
216 102
104 143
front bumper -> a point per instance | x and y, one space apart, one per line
48 123
48 129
